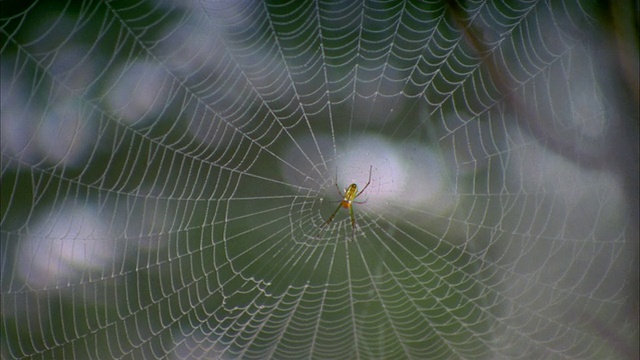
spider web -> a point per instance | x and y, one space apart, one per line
167 169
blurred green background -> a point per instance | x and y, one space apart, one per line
168 169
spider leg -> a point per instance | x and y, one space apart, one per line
333 215
353 223
337 187
368 182
330 219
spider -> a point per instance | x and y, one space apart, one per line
350 194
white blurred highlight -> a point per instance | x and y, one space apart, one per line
406 179
63 245
138 91
62 135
